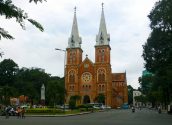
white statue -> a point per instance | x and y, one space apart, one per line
43 92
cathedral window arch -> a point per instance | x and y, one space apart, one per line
72 57
101 75
103 88
72 77
99 88
89 86
101 55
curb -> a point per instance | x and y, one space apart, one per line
58 115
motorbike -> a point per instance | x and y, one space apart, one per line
133 109
159 110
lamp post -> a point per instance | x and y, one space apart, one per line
64 72
1 54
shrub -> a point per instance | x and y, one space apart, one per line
72 104
44 110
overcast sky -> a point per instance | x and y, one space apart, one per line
126 22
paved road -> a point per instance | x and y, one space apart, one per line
113 117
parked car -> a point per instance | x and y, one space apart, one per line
118 107
125 106
105 107
96 105
66 106
169 109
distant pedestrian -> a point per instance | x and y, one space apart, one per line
159 109
133 109
7 109
18 111
23 112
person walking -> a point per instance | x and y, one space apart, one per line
159 109
133 109
18 112
7 109
23 112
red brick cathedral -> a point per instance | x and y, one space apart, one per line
88 79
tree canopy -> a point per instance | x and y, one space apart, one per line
157 51
130 94
9 10
8 69
15 81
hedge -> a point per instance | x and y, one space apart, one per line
44 110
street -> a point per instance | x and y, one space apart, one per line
112 117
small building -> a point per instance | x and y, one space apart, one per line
135 103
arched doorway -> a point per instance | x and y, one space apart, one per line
86 99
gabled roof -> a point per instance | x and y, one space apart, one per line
118 77
87 60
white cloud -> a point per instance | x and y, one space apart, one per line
126 20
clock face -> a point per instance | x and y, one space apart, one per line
86 77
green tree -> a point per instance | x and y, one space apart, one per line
101 98
8 71
55 93
9 10
7 92
73 101
141 99
29 82
86 99
146 83
157 51
130 94
72 104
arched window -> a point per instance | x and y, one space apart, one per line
101 55
99 87
72 57
99 78
89 86
103 88
101 75
71 88
72 77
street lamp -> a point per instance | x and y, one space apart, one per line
1 54
64 72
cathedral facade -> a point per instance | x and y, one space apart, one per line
88 79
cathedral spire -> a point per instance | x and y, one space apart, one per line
103 37
74 40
